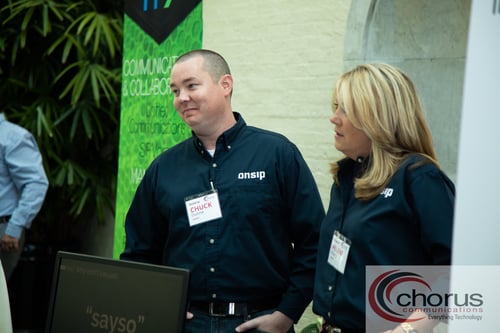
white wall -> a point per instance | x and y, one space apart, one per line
285 56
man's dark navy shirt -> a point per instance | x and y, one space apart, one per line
265 243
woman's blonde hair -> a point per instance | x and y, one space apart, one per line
382 101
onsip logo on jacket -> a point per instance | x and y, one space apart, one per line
387 192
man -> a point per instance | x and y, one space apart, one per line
234 204
23 185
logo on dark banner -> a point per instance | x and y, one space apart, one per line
158 18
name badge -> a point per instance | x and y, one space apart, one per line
339 249
203 207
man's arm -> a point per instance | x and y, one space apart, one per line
24 162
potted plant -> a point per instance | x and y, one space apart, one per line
60 67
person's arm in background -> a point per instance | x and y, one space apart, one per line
24 163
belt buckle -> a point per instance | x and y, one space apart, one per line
230 310
327 328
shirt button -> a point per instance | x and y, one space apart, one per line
329 314
212 269
330 288
228 147
214 295
212 241
214 165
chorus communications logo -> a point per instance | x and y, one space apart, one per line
395 294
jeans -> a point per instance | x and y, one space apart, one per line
203 323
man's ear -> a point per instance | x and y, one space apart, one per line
226 82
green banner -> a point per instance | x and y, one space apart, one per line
156 32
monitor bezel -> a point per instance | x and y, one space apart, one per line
62 255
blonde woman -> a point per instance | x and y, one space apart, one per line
390 203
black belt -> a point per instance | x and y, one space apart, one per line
241 309
4 219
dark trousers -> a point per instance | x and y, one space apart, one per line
10 259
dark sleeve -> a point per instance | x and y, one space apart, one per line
145 235
306 214
433 196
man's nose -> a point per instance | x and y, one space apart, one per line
183 95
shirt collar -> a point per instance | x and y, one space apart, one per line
226 139
354 168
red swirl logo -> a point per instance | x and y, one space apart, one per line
383 299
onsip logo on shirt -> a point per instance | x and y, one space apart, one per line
387 192
252 175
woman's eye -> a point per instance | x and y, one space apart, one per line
336 106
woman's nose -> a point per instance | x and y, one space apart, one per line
334 119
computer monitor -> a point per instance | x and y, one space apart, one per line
97 294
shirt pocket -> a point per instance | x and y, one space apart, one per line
254 205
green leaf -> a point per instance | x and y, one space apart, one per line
61 70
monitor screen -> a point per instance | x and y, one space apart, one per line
97 294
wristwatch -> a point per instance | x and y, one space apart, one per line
407 328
